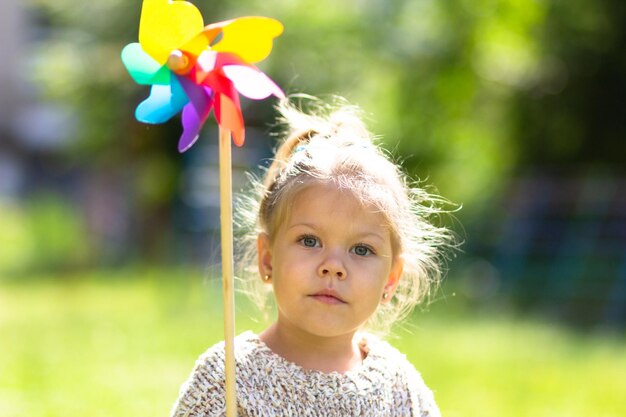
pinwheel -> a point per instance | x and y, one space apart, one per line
196 69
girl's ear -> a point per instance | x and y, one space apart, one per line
393 279
264 254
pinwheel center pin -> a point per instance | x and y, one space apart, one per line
179 62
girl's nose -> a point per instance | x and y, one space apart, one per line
332 266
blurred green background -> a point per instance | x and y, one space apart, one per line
513 109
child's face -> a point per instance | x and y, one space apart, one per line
329 263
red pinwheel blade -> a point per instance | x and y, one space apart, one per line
228 115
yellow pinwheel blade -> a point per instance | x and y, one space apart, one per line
166 25
249 37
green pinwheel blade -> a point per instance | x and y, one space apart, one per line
142 67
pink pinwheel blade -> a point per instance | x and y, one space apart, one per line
251 82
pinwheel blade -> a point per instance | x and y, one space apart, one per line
192 120
167 25
142 68
162 104
229 117
249 37
195 112
252 83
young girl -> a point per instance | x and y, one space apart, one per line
343 243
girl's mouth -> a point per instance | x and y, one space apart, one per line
328 297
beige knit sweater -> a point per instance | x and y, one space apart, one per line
385 384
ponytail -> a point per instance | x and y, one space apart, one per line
284 152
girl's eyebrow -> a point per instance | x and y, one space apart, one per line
379 239
304 224
374 235
359 235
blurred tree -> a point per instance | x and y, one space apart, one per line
573 116
439 78
465 92
76 62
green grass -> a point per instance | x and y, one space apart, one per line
120 344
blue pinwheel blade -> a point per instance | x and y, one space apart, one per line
162 104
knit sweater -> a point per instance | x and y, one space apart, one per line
385 384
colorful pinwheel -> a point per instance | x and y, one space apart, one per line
197 69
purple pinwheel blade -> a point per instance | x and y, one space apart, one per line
195 112
192 123
198 95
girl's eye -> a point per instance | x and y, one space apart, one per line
362 250
309 241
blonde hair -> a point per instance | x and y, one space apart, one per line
331 145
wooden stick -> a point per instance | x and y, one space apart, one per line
226 220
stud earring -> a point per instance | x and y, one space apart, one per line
385 295
266 277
